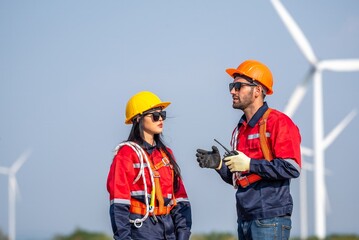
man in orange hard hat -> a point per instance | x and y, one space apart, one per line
265 156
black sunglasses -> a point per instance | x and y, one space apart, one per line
237 85
156 115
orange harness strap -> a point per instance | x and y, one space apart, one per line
159 195
137 207
245 181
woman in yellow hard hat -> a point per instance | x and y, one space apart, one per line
147 195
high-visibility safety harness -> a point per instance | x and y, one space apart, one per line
245 181
149 208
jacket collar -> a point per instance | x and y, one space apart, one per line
148 147
256 117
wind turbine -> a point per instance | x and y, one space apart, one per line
318 135
309 167
13 188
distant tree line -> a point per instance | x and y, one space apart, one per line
80 234
214 236
228 236
333 237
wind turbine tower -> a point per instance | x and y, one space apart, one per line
319 141
309 167
13 188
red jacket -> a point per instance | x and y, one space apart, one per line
283 137
122 189
269 197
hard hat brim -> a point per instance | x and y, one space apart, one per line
232 71
161 105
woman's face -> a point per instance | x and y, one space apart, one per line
153 122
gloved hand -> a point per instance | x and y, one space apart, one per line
209 159
237 163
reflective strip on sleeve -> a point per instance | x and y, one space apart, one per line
254 136
293 163
182 200
120 200
137 193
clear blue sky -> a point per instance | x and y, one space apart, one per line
67 69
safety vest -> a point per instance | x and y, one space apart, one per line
158 208
245 181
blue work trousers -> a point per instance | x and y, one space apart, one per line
276 228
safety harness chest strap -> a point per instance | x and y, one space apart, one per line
245 181
137 207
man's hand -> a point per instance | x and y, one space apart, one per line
209 159
237 163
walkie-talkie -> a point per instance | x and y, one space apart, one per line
228 152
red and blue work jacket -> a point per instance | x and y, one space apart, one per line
125 192
270 196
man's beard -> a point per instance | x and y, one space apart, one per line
243 103
240 106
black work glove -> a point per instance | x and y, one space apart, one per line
209 159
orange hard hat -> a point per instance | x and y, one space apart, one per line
255 70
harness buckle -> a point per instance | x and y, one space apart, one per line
244 181
165 161
138 223
156 174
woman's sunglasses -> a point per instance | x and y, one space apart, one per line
156 115
237 85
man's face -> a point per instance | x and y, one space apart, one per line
242 93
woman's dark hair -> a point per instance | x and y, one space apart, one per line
136 135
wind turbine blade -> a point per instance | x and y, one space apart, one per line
295 99
307 166
338 129
306 151
339 65
295 31
20 161
298 95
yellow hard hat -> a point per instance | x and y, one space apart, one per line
256 71
141 102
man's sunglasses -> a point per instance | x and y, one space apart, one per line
156 115
237 85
